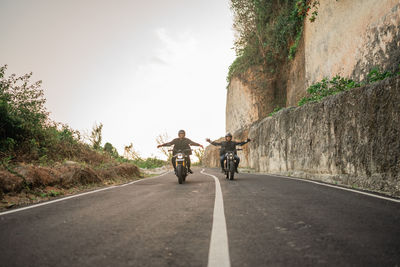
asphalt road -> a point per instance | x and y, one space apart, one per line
270 221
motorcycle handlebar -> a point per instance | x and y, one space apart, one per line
180 150
234 151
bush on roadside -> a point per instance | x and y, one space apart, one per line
149 163
26 132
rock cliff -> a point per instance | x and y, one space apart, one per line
348 38
351 138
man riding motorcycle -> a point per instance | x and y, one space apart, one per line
228 145
181 143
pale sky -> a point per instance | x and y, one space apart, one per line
142 68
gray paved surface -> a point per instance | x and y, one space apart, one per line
157 222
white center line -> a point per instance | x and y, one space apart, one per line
218 255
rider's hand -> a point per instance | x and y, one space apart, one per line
208 140
158 146
248 139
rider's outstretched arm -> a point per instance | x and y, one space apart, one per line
213 142
243 142
167 144
194 143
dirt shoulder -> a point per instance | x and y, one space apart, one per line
25 184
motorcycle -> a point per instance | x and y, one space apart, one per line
230 164
181 165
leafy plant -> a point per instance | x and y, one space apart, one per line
149 163
22 110
96 136
337 84
293 47
275 111
376 75
326 88
27 133
110 149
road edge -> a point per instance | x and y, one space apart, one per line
77 195
367 193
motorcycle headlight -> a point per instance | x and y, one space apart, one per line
180 156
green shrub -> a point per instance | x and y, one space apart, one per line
376 75
110 149
22 111
96 136
275 111
149 163
337 84
25 129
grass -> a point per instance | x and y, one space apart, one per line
51 193
27 197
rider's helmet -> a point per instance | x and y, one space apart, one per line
228 135
181 132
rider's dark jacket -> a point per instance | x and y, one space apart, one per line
228 146
181 144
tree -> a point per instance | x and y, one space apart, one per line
96 135
131 153
22 111
248 23
161 139
110 149
199 153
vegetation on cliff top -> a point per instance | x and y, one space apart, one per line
267 32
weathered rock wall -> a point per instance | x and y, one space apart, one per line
242 108
249 100
349 37
352 138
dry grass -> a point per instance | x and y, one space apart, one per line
43 183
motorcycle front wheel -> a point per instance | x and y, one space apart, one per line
184 175
179 173
231 171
